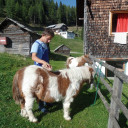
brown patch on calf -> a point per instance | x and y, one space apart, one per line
63 84
91 72
68 62
82 61
40 87
86 56
48 98
17 88
87 59
40 90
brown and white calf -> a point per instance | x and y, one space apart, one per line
34 82
78 61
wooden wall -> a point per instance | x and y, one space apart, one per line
63 50
19 40
100 43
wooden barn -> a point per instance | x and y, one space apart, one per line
62 49
57 28
105 30
15 38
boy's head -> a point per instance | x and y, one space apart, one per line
47 35
48 32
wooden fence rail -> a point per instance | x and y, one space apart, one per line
116 92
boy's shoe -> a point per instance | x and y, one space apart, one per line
44 110
49 105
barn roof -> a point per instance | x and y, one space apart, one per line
60 47
59 25
7 20
56 26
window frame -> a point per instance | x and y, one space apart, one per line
111 19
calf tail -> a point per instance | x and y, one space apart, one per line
16 90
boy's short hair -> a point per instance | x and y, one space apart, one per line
48 31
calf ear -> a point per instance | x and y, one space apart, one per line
91 70
86 56
69 60
87 59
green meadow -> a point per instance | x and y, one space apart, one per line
84 113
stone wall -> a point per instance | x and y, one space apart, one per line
100 43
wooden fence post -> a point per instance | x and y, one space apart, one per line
85 45
114 109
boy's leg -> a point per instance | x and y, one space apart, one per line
42 106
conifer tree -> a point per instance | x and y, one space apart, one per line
44 12
30 14
17 10
1 7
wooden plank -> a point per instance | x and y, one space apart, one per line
107 85
104 101
122 106
115 123
110 23
114 108
121 75
113 59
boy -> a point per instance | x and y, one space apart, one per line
40 56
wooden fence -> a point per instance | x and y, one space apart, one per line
115 105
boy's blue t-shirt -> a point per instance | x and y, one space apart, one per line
42 51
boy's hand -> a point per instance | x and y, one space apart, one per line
47 66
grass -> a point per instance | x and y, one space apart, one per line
76 45
83 114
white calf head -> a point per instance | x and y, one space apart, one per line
78 61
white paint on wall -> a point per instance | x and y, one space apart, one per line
67 35
126 68
97 67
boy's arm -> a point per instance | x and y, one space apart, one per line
38 60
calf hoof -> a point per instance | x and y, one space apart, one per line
34 120
67 118
24 113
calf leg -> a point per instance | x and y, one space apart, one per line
66 107
28 106
91 86
23 111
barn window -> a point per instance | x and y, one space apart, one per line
118 22
120 65
3 41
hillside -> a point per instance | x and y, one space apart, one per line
76 45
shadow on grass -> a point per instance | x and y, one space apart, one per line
123 122
56 106
57 57
82 101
